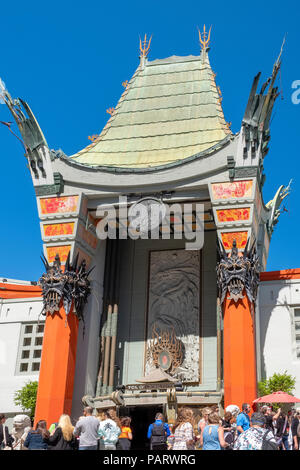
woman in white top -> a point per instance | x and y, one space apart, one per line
109 429
183 437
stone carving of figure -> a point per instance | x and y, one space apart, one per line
21 427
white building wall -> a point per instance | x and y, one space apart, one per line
14 312
277 301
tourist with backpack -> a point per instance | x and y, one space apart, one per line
257 437
158 432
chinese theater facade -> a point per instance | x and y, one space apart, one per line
145 324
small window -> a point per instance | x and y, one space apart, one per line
38 341
40 329
30 348
25 354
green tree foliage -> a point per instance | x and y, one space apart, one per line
26 397
276 383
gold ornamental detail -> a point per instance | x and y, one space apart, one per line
145 46
204 38
165 350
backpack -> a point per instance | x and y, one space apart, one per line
158 435
267 444
229 439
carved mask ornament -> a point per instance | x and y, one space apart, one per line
69 286
52 283
237 272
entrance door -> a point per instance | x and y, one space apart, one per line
141 417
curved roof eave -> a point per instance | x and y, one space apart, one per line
120 170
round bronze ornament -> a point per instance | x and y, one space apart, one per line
165 360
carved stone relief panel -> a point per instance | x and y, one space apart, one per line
174 305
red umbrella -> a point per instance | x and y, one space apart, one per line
277 397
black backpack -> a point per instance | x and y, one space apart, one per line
229 439
158 435
267 444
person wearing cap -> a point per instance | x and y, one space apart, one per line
252 438
243 418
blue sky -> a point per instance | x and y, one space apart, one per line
68 61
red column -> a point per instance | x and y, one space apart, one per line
57 370
240 378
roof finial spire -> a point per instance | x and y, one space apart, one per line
204 39
144 48
278 61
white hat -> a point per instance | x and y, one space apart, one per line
233 409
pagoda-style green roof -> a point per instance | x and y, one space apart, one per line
170 110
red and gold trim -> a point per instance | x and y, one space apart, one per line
240 237
59 205
54 230
233 215
61 250
229 190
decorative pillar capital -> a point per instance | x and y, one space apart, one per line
237 272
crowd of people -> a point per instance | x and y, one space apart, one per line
237 430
